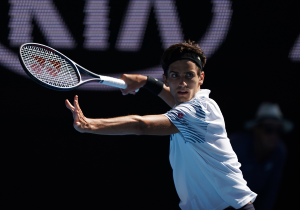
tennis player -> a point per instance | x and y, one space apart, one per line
206 170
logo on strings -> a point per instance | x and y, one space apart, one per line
38 68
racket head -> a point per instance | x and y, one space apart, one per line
48 67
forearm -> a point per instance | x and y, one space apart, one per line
132 124
166 95
115 126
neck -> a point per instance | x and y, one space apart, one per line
177 102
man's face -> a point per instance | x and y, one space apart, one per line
183 80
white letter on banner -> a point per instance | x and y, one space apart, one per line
214 37
219 27
47 18
136 19
96 25
295 52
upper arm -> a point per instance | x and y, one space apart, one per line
157 125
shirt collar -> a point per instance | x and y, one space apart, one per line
203 92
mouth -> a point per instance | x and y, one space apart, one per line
182 92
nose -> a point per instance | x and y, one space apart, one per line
182 83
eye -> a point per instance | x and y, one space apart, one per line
173 75
190 74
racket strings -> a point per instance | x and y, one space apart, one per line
49 67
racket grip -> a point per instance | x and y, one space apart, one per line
118 83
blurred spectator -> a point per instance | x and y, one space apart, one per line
262 153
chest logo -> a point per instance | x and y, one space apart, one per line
180 115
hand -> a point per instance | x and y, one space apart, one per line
134 82
81 123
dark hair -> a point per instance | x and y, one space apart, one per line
188 46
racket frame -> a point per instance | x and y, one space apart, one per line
76 66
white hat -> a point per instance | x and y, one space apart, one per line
270 110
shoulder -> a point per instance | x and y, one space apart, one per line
200 101
191 111
198 107
192 108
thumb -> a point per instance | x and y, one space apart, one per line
77 123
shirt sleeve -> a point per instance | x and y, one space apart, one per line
189 118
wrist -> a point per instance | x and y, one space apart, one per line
91 125
142 80
153 85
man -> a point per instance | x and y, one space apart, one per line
205 168
262 153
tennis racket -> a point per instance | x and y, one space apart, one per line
53 70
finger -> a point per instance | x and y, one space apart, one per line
127 91
77 125
123 92
123 77
77 107
76 103
76 117
77 122
69 105
131 92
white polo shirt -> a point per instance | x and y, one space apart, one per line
205 168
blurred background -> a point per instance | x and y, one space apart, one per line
253 50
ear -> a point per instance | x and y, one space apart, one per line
201 78
165 80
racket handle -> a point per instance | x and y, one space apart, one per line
118 83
